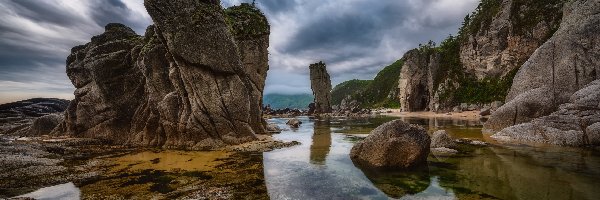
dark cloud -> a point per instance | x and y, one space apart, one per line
356 38
36 38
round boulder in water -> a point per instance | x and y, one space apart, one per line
395 144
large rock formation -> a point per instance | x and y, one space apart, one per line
194 81
415 86
560 67
394 144
504 41
576 123
321 87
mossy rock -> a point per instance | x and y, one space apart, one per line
246 21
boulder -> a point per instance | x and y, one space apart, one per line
395 144
574 124
320 84
294 123
567 62
45 124
442 139
273 128
193 81
485 111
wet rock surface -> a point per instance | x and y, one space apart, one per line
320 84
102 171
395 144
194 81
442 139
566 63
294 123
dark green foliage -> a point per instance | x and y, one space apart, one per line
381 92
487 90
246 21
346 88
281 101
525 15
524 20
480 19
470 90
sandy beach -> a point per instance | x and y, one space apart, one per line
467 115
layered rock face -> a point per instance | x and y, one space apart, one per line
194 81
415 86
513 34
560 67
320 84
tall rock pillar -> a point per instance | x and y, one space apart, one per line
321 87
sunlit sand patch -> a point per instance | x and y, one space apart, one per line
170 160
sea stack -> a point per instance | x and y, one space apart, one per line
321 87
194 81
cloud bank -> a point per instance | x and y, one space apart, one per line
356 38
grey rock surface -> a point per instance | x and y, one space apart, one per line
320 83
194 81
394 144
415 85
566 63
504 44
294 123
575 124
441 139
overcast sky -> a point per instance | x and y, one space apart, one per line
355 38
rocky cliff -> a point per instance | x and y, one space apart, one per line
501 35
478 65
417 75
320 84
566 63
193 81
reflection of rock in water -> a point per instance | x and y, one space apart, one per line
399 183
520 174
321 142
63 191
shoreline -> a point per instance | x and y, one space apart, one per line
466 115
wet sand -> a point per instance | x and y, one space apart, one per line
96 170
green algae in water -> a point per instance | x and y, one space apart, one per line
476 172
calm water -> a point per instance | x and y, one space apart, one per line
321 168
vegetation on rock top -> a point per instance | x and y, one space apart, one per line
246 21
348 88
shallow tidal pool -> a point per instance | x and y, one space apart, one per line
320 168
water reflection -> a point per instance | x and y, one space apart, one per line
321 142
399 183
321 168
62 191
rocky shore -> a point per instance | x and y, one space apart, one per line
101 170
